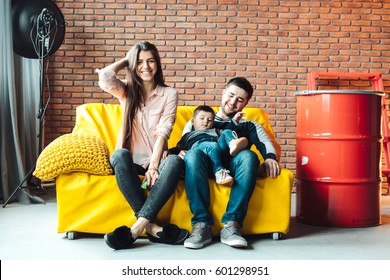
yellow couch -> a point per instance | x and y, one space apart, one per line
93 204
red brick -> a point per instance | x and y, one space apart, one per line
203 45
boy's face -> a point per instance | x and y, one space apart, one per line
203 120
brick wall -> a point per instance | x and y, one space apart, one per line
203 43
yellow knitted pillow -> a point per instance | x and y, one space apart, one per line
73 152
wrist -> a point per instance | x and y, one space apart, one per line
125 62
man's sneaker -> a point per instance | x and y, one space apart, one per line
222 177
200 236
237 145
230 235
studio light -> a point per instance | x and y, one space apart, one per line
38 29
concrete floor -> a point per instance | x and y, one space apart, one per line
28 232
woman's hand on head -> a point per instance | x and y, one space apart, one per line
127 57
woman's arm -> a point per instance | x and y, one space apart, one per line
159 147
162 132
168 114
108 80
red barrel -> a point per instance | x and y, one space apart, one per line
338 180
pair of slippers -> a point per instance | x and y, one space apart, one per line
121 238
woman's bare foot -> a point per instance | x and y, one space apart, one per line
153 229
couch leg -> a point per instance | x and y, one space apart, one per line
277 235
71 235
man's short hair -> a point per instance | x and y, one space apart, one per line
243 83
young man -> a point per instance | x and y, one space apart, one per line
244 167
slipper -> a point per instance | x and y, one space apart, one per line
171 234
120 238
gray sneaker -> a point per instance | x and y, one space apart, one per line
230 235
200 236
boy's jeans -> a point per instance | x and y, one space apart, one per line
216 150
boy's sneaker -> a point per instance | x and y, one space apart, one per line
200 236
222 177
237 145
230 235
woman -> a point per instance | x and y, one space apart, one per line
149 111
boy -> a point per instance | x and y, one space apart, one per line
211 141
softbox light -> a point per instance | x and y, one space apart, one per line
38 28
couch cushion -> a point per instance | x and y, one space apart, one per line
100 119
104 120
73 152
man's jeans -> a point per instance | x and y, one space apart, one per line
243 167
126 173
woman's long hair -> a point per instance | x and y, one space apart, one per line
134 96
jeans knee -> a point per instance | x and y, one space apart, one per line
248 158
213 145
253 158
194 158
175 161
118 156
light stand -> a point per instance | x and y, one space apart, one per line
46 33
45 25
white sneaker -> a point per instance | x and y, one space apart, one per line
237 145
222 177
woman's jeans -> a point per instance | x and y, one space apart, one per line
126 173
215 150
243 167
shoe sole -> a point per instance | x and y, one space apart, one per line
235 243
226 181
241 144
196 245
185 235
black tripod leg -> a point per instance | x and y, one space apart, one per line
20 185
